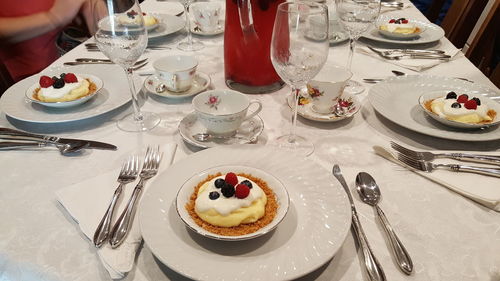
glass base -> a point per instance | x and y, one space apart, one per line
354 87
130 124
194 46
249 89
296 144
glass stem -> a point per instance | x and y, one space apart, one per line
295 95
352 42
188 24
135 102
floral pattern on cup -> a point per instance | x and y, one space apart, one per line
314 92
213 101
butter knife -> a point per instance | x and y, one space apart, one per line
6 133
373 267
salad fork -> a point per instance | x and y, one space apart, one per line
149 169
427 166
429 156
128 174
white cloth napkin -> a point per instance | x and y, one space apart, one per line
87 202
484 190
414 64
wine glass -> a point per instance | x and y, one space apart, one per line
190 44
356 16
122 37
299 49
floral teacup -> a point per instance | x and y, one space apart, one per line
176 72
326 88
223 111
206 15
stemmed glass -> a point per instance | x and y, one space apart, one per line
356 16
299 49
190 44
122 37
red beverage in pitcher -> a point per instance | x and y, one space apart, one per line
247 40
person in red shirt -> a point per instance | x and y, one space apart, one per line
29 29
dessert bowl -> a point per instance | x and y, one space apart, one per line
383 21
185 192
64 104
492 105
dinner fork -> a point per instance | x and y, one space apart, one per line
427 166
128 174
429 156
149 169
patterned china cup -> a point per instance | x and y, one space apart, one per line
326 88
176 72
223 111
206 15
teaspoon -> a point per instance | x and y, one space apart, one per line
207 137
370 194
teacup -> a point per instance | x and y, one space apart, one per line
326 88
206 15
176 72
223 111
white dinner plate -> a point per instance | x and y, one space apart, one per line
397 99
114 94
168 24
314 228
431 33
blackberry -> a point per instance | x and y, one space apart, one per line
59 83
456 105
213 195
227 190
219 183
62 75
451 95
478 101
247 183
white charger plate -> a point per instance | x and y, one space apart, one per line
313 230
397 100
64 104
113 95
431 33
168 24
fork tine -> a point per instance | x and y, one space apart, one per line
404 150
136 164
124 167
410 161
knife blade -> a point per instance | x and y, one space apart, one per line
7 133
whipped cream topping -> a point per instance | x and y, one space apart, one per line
52 92
223 205
391 27
447 111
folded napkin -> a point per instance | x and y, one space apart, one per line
87 202
484 190
414 64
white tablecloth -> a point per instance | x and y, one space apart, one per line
448 236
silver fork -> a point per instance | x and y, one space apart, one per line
149 169
128 174
427 166
412 55
429 156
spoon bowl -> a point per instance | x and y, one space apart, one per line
203 137
368 189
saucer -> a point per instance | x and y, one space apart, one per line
348 103
196 30
201 81
248 132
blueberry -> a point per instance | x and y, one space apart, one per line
478 101
247 183
59 83
213 195
456 105
54 78
227 190
451 95
219 183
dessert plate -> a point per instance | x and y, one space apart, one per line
314 229
348 104
431 33
64 104
437 94
196 30
114 94
248 132
397 100
186 190
168 24
201 82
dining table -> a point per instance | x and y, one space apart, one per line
448 236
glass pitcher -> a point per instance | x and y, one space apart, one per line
247 40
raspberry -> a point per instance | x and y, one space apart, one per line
46 81
392 21
462 98
70 78
470 104
405 21
232 179
242 191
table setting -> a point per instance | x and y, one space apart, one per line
397 180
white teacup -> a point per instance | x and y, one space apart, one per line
326 88
176 72
206 15
223 111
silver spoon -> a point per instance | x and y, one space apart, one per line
370 194
207 137
64 148
399 73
